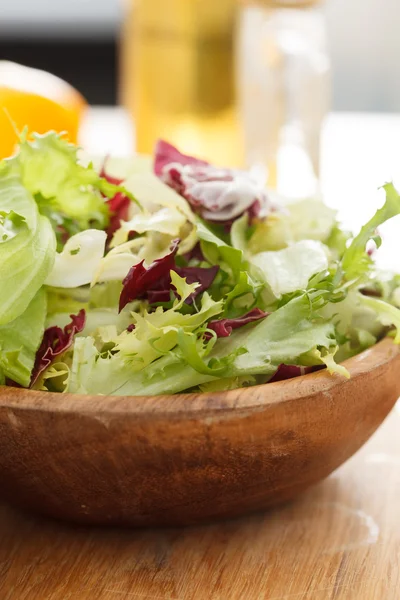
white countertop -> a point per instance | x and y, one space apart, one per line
360 152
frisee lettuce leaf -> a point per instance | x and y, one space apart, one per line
283 337
69 194
356 262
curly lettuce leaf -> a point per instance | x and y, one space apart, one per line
356 262
71 195
284 337
156 333
54 379
243 297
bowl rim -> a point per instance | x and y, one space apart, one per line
196 404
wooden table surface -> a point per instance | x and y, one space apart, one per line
339 541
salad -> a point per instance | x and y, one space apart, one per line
141 277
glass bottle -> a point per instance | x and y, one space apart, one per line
178 76
283 83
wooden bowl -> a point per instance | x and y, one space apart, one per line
174 460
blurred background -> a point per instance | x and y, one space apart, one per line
302 92
276 93
78 41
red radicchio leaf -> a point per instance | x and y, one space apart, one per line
290 371
155 283
160 295
140 280
118 205
195 253
371 292
110 179
11 383
219 195
55 342
203 276
224 327
166 154
119 211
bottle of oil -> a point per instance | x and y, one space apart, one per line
178 76
283 83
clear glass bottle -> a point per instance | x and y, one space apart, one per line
178 76
283 84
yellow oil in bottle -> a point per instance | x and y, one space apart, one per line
178 76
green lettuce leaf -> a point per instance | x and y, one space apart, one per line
167 216
229 383
10 225
289 270
152 193
25 262
387 314
68 193
283 337
356 263
15 198
106 295
240 233
244 296
71 300
55 378
308 219
97 320
156 333
217 252
20 339
120 167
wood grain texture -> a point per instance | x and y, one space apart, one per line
338 541
185 459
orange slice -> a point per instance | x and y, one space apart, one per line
36 99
